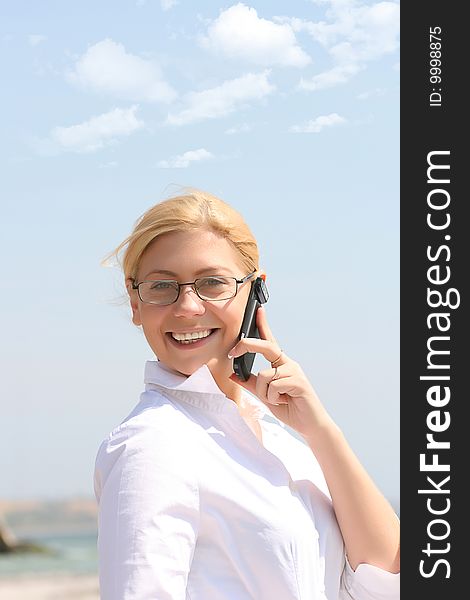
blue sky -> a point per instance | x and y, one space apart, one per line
289 112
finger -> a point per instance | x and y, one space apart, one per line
259 385
270 350
275 393
263 380
261 391
263 326
265 389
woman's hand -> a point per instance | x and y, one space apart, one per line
284 389
368 523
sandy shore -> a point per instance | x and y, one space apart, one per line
50 587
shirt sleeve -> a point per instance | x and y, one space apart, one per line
148 514
368 582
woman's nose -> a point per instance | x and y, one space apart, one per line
188 302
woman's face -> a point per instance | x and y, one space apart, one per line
186 256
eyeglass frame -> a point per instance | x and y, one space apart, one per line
135 286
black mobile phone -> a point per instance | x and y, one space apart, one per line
258 295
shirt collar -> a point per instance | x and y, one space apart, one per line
194 388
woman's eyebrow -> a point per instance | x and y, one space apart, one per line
215 270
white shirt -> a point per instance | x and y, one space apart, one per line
194 506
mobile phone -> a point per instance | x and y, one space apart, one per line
258 295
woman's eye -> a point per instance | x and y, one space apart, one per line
160 285
214 281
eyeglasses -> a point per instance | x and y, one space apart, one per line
210 289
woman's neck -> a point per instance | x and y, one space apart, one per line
221 376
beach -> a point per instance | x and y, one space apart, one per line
50 587
66 565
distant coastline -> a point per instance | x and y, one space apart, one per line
63 561
27 518
63 516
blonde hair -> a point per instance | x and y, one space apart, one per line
191 210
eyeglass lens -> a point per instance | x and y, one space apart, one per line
208 288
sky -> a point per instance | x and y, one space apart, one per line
287 111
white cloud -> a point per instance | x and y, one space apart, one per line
371 93
112 164
181 161
98 131
331 78
106 67
239 33
316 125
224 99
243 128
353 34
167 4
34 39
371 28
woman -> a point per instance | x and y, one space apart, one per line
203 493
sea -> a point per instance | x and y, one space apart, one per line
74 554
70 541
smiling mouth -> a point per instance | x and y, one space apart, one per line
187 339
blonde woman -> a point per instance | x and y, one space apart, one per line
203 493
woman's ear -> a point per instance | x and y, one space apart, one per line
134 302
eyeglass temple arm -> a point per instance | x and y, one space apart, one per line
246 277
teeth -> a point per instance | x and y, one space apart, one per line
194 335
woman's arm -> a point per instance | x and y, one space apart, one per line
368 523
148 515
